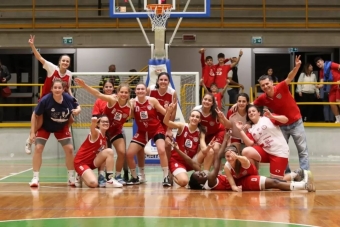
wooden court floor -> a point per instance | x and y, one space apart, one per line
55 204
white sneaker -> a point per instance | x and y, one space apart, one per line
28 146
309 181
34 182
71 182
141 178
112 183
78 182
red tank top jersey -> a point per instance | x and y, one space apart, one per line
146 116
164 99
243 172
117 115
222 183
212 125
52 74
188 142
88 150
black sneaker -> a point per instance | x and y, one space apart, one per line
126 175
133 181
166 182
300 175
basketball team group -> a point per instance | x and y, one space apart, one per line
222 151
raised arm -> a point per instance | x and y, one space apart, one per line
248 142
93 129
201 51
205 87
231 180
35 51
295 70
232 65
194 165
224 121
171 123
108 98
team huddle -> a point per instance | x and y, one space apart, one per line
246 136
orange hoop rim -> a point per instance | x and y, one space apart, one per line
159 8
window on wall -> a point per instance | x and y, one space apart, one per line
279 63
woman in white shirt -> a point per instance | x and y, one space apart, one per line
307 92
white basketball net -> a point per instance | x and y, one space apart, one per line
159 20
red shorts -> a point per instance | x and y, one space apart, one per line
277 164
174 164
249 183
82 167
62 134
143 138
219 136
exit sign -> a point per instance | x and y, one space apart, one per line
256 40
293 50
68 40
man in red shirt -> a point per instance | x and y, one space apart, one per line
279 100
329 72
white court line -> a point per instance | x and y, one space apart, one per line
11 175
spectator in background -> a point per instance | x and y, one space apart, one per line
115 80
307 92
327 111
5 76
270 72
133 81
233 80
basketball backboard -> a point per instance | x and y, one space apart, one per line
196 8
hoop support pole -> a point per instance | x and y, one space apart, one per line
152 50
166 51
140 24
178 23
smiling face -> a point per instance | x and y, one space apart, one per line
267 86
64 62
57 88
320 63
242 102
200 176
103 123
163 81
195 117
123 92
253 114
207 101
108 88
140 90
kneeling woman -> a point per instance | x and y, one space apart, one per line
93 153
188 138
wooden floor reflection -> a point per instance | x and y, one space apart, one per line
53 200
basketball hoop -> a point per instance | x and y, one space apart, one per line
159 14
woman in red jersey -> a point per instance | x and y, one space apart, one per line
93 153
61 71
188 139
238 114
163 92
215 123
243 176
118 110
145 112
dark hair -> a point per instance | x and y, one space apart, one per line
266 72
213 107
200 127
159 75
305 68
243 95
193 183
263 77
132 70
64 55
108 81
208 58
220 55
100 116
238 164
259 109
317 59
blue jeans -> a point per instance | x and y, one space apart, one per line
297 131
